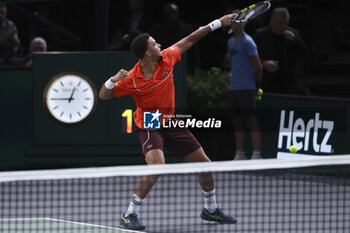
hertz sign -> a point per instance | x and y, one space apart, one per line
304 134
316 126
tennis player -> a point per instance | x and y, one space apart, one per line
151 85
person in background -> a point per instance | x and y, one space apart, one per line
172 29
9 41
139 20
246 71
38 44
280 49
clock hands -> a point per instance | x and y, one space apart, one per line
62 99
71 96
69 99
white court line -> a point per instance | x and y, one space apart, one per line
89 224
66 221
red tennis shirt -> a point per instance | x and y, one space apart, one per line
157 93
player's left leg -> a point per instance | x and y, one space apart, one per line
206 180
210 212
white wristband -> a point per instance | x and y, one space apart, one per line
215 25
109 84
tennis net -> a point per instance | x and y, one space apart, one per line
304 195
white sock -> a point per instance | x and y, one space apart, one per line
134 205
210 201
240 155
256 154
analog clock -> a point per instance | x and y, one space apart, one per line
70 98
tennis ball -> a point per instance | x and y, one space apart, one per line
259 94
293 149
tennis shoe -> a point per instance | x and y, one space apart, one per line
217 216
131 222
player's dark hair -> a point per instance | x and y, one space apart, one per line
139 45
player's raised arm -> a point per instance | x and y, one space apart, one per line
187 42
106 91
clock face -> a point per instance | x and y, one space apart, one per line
70 97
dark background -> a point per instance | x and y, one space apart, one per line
93 25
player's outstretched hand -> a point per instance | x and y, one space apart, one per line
122 74
226 19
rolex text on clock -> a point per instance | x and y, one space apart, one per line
70 98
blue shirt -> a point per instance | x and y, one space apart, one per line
242 70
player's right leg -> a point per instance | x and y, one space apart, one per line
146 183
152 147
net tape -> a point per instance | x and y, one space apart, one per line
165 169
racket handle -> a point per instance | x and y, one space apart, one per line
232 20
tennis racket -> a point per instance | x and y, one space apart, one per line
251 12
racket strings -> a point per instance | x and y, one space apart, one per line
252 11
